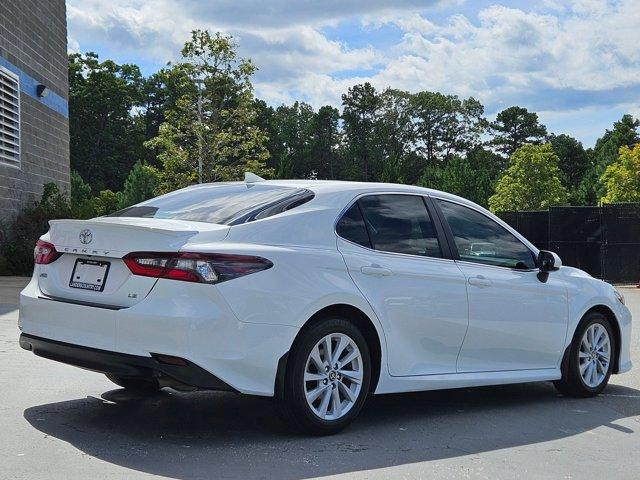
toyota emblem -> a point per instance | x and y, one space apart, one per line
86 236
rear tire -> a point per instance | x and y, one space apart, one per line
590 358
327 378
135 384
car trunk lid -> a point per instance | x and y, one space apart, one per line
91 269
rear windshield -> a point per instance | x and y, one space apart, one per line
226 204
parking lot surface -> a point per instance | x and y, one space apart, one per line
58 421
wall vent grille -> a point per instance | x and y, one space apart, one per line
9 118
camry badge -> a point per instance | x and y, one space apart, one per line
86 236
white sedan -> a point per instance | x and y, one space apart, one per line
318 293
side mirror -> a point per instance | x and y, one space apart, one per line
548 261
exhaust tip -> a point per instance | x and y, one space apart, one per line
170 360
25 344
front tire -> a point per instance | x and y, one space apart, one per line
327 378
590 358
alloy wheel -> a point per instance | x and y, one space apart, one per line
333 376
594 355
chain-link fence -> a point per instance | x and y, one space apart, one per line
603 241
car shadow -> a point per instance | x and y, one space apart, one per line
222 435
6 308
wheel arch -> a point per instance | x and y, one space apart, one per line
608 313
354 315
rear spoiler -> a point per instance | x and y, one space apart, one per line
116 236
140 224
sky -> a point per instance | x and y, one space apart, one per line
576 62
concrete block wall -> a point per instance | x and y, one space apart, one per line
33 45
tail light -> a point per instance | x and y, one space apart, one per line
45 253
194 267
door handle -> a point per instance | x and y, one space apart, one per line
479 281
376 271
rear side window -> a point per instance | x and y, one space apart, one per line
351 227
400 224
227 204
481 240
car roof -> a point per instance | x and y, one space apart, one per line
346 191
321 186
334 186
343 188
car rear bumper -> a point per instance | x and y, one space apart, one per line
122 364
180 319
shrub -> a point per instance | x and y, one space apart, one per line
17 241
106 202
81 202
140 185
18 238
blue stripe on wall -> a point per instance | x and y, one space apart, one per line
29 84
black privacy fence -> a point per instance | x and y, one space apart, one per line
604 241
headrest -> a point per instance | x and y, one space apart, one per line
397 227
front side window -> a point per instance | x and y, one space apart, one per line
400 224
481 240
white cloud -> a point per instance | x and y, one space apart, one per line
553 5
413 22
590 7
156 28
72 45
303 49
553 56
509 55
291 55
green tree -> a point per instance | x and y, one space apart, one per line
292 127
472 177
623 134
605 152
302 143
177 170
105 139
161 92
573 158
266 123
444 125
621 179
227 139
487 167
396 133
531 182
325 137
574 163
360 115
455 177
140 185
514 127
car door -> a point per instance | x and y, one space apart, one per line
394 254
517 316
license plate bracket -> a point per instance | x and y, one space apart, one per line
89 274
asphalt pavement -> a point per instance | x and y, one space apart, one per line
62 422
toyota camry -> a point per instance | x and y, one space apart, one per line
317 293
